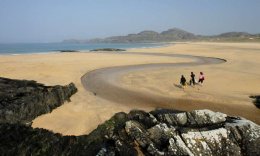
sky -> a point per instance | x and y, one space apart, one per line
55 20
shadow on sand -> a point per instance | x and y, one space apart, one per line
178 86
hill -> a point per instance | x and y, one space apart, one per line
170 35
235 34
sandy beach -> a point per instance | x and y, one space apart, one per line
227 86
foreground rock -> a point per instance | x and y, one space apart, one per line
21 101
160 132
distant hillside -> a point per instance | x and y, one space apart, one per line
177 34
152 36
170 35
235 34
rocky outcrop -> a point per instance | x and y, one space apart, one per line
159 132
256 100
21 101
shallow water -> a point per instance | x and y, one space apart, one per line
24 48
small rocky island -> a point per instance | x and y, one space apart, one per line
159 132
68 51
108 49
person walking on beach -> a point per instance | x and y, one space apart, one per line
192 80
201 78
183 81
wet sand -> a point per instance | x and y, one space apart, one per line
104 82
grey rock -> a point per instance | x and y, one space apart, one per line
246 135
161 133
178 147
154 151
147 119
212 142
138 132
174 119
205 117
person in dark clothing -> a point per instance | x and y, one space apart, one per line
192 80
183 81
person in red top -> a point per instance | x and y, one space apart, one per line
201 78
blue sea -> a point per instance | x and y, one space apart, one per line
27 48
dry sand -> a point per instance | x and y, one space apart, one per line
230 83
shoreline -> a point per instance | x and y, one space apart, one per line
158 45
